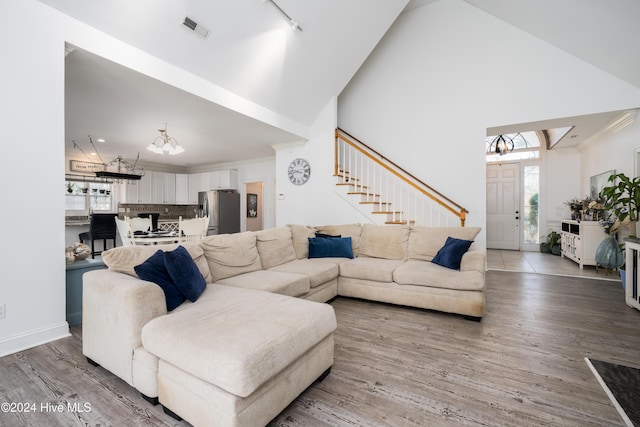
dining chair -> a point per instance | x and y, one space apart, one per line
154 218
124 230
139 224
101 227
191 230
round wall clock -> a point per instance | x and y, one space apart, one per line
299 171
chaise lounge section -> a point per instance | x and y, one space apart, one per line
260 333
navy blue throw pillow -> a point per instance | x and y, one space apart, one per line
184 272
320 247
451 253
154 270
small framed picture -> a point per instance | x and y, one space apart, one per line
252 205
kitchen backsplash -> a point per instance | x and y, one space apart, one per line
165 211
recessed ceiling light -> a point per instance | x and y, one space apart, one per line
101 140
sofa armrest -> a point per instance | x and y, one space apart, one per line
115 308
474 260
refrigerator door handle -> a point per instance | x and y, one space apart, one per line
205 208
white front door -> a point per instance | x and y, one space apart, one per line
503 206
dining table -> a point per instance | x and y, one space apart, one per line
156 237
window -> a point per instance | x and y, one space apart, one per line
531 192
82 197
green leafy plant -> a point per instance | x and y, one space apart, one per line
622 199
552 245
553 238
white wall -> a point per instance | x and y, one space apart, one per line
316 202
610 151
32 270
447 71
560 182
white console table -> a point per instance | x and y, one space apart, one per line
580 239
632 255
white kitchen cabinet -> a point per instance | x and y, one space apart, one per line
162 189
140 191
224 179
580 239
157 187
214 180
168 183
145 188
153 187
198 182
131 192
182 189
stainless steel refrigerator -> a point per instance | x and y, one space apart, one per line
223 209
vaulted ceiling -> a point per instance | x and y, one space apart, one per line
251 52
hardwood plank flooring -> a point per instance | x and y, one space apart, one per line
523 365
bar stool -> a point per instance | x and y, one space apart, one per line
101 227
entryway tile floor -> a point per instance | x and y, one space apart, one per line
537 262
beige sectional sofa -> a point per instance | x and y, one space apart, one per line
260 333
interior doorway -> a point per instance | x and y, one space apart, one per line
254 205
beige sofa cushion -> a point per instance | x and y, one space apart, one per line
348 230
426 273
231 254
237 339
425 242
123 258
378 269
275 246
317 272
271 281
300 236
384 241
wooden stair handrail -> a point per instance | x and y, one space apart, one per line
462 213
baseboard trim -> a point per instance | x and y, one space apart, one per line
33 338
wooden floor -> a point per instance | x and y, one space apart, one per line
523 365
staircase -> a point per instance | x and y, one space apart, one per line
384 192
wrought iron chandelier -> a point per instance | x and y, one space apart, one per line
501 144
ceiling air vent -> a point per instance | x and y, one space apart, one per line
198 29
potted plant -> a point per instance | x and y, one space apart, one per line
622 203
575 205
552 245
579 207
622 199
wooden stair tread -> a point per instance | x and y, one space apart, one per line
387 212
350 178
375 203
396 222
